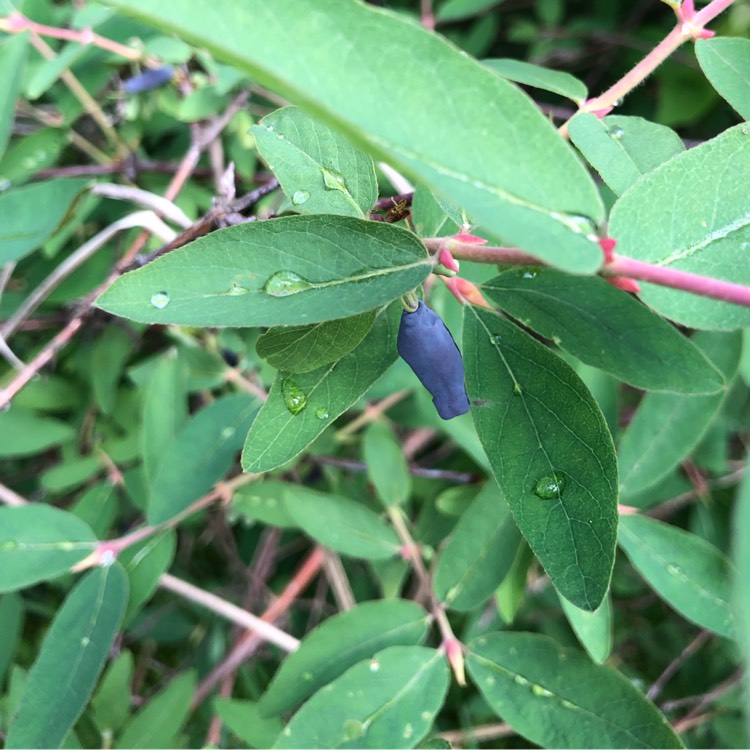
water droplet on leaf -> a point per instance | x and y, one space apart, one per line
408 731
550 486
374 665
294 397
299 197
353 729
333 181
616 133
236 290
321 413
160 300
284 283
529 273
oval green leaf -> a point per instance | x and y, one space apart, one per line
39 542
388 701
550 451
304 348
339 643
622 148
539 77
479 553
506 166
387 468
341 524
593 629
319 169
606 328
558 697
289 271
686 571
701 225
25 227
666 427
278 434
726 63
71 658
200 455
13 53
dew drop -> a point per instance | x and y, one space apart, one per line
227 433
540 691
281 136
490 681
581 224
299 197
269 128
307 676
519 680
321 413
616 133
108 558
374 665
85 641
294 397
160 300
353 729
675 570
333 181
284 283
408 731
550 486
529 273
237 290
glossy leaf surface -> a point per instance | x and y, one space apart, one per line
387 701
686 571
550 451
39 542
700 225
289 271
339 643
278 435
606 328
558 697
70 660
318 168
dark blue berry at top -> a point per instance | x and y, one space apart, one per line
149 79
429 349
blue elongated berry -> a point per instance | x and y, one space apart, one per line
429 349
149 79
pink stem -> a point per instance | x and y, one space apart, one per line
675 279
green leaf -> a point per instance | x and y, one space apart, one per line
48 71
741 559
39 542
289 271
690 574
23 433
12 62
726 63
343 525
524 184
278 435
699 225
25 227
388 701
304 348
11 624
263 501
556 81
97 506
245 719
339 643
387 468
429 217
550 451
108 358
319 170
557 697
70 660
144 563
200 455
623 148
111 702
666 427
606 328
593 629
156 724
23 159
458 10
479 552
164 410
